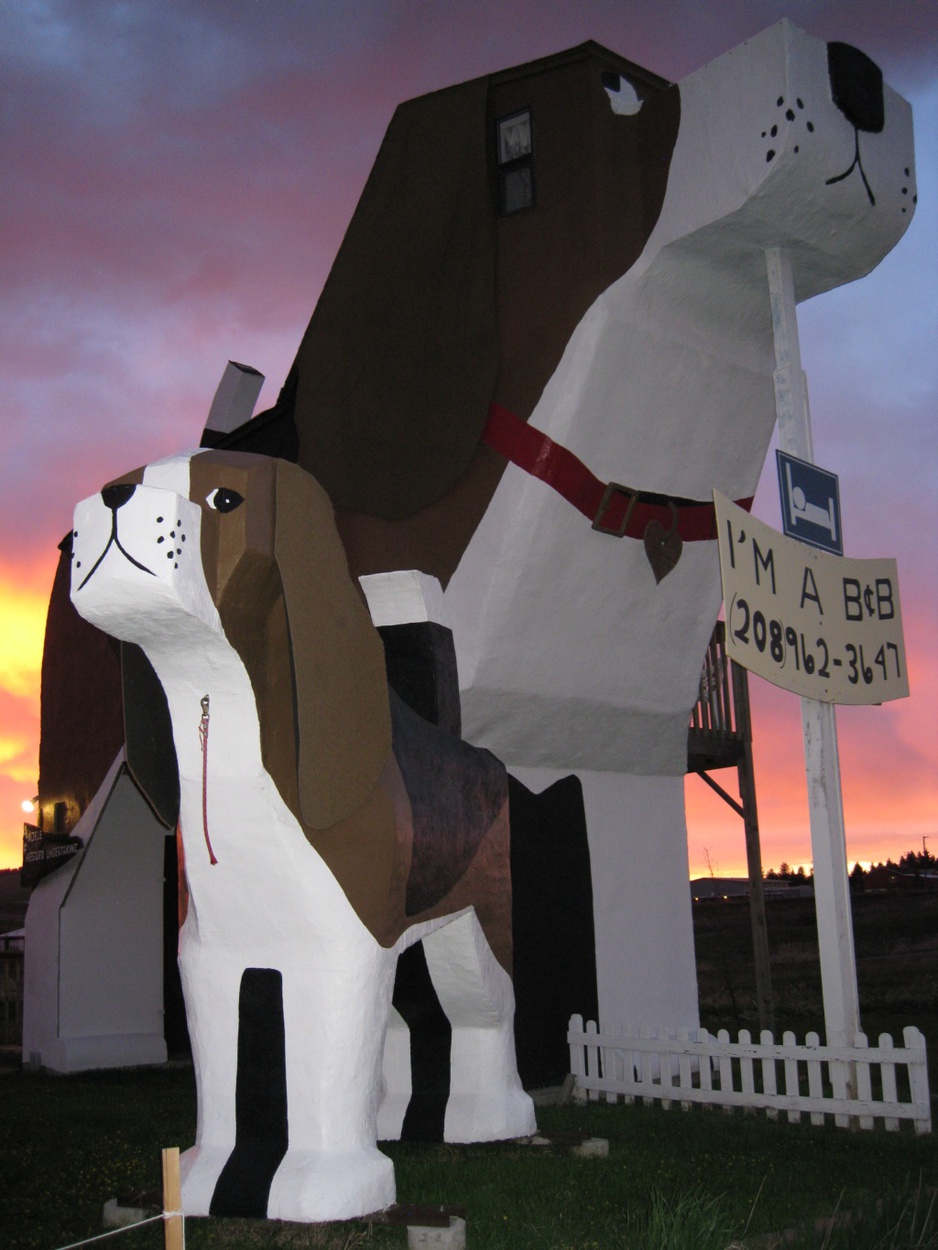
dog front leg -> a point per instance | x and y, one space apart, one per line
486 1101
336 1006
211 981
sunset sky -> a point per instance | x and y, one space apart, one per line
177 176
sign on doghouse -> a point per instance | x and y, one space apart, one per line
822 626
44 852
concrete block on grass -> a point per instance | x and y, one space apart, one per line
451 1237
116 1216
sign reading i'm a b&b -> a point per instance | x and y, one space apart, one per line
823 626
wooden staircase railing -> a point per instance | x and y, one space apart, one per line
720 736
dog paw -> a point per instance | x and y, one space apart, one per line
199 1170
316 1185
489 1117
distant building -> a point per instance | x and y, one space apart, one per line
11 987
719 889
788 889
883 877
727 889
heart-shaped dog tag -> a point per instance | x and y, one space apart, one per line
662 547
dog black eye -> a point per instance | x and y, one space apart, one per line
224 500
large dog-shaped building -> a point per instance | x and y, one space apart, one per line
575 250
578 246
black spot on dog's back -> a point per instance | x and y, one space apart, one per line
456 791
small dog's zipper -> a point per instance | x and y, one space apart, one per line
203 742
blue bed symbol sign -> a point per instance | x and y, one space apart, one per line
810 503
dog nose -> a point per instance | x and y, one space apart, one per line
116 496
856 86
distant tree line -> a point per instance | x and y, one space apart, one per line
915 861
784 872
911 864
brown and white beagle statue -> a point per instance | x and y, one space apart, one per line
326 829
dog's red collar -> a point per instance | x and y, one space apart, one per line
611 508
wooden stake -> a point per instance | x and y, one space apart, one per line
172 1200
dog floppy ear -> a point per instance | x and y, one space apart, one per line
404 336
340 684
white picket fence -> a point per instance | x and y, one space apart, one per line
855 1084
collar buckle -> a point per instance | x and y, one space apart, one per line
613 490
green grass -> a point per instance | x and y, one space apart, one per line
672 1179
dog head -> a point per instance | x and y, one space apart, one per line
790 142
650 205
228 546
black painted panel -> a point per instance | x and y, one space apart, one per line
175 1026
421 663
431 1043
262 1132
151 752
455 790
552 918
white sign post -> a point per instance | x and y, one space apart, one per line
822 760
